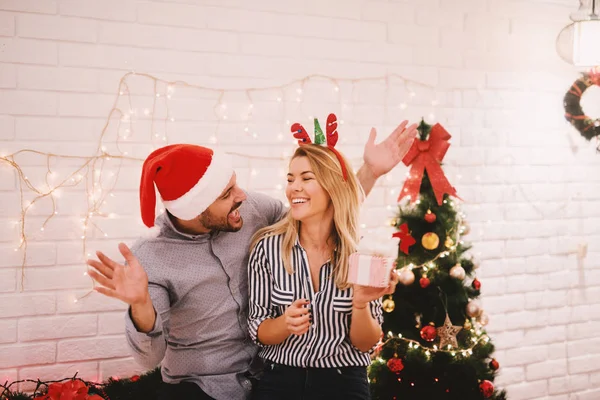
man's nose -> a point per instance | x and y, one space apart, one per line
240 195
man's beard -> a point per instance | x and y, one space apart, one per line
214 223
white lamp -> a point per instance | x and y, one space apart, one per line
579 42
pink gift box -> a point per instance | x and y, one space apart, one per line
370 270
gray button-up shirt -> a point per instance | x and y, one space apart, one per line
199 289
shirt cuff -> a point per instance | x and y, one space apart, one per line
133 330
253 329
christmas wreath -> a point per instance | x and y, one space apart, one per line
587 126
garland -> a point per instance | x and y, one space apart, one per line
134 388
588 127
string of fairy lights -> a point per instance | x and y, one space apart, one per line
98 174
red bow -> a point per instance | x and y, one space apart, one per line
70 390
406 239
427 155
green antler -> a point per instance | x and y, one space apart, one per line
319 136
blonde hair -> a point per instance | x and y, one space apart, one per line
346 197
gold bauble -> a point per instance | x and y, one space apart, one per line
484 319
474 309
467 325
449 242
430 241
388 305
465 229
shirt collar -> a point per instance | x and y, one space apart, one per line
199 237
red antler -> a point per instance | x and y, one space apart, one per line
332 135
300 134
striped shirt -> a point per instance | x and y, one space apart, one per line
272 289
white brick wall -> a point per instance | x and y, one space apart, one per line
528 178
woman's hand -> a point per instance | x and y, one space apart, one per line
363 295
297 317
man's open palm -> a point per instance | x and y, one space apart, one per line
128 283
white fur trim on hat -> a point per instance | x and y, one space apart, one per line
205 191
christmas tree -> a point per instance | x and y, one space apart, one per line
435 345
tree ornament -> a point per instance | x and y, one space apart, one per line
476 284
424 282
388 305
449 242
428 333
466 228
406 239
430 217
430 241
395 364
447 333
484 319
426 156
487 389
458 272
418 319
473 309
494 365
406 276
467 325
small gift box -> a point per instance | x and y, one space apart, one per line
370 270
372 263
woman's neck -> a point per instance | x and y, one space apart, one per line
316 236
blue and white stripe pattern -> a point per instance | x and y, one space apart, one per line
327 342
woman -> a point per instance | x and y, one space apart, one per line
314 329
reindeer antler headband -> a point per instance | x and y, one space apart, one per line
330 140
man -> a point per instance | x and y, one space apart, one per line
188 304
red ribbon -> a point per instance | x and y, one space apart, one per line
427 155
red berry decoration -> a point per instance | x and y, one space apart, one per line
494 364
487 388
135 378
429 333
395 365
430 217
476 284
424 282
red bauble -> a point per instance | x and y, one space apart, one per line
429 333
424 282
135 378
476 284
395 365
487 388
494 364
430 217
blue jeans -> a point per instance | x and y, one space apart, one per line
280 382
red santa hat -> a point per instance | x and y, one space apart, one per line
188 177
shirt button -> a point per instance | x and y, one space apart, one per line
246 384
